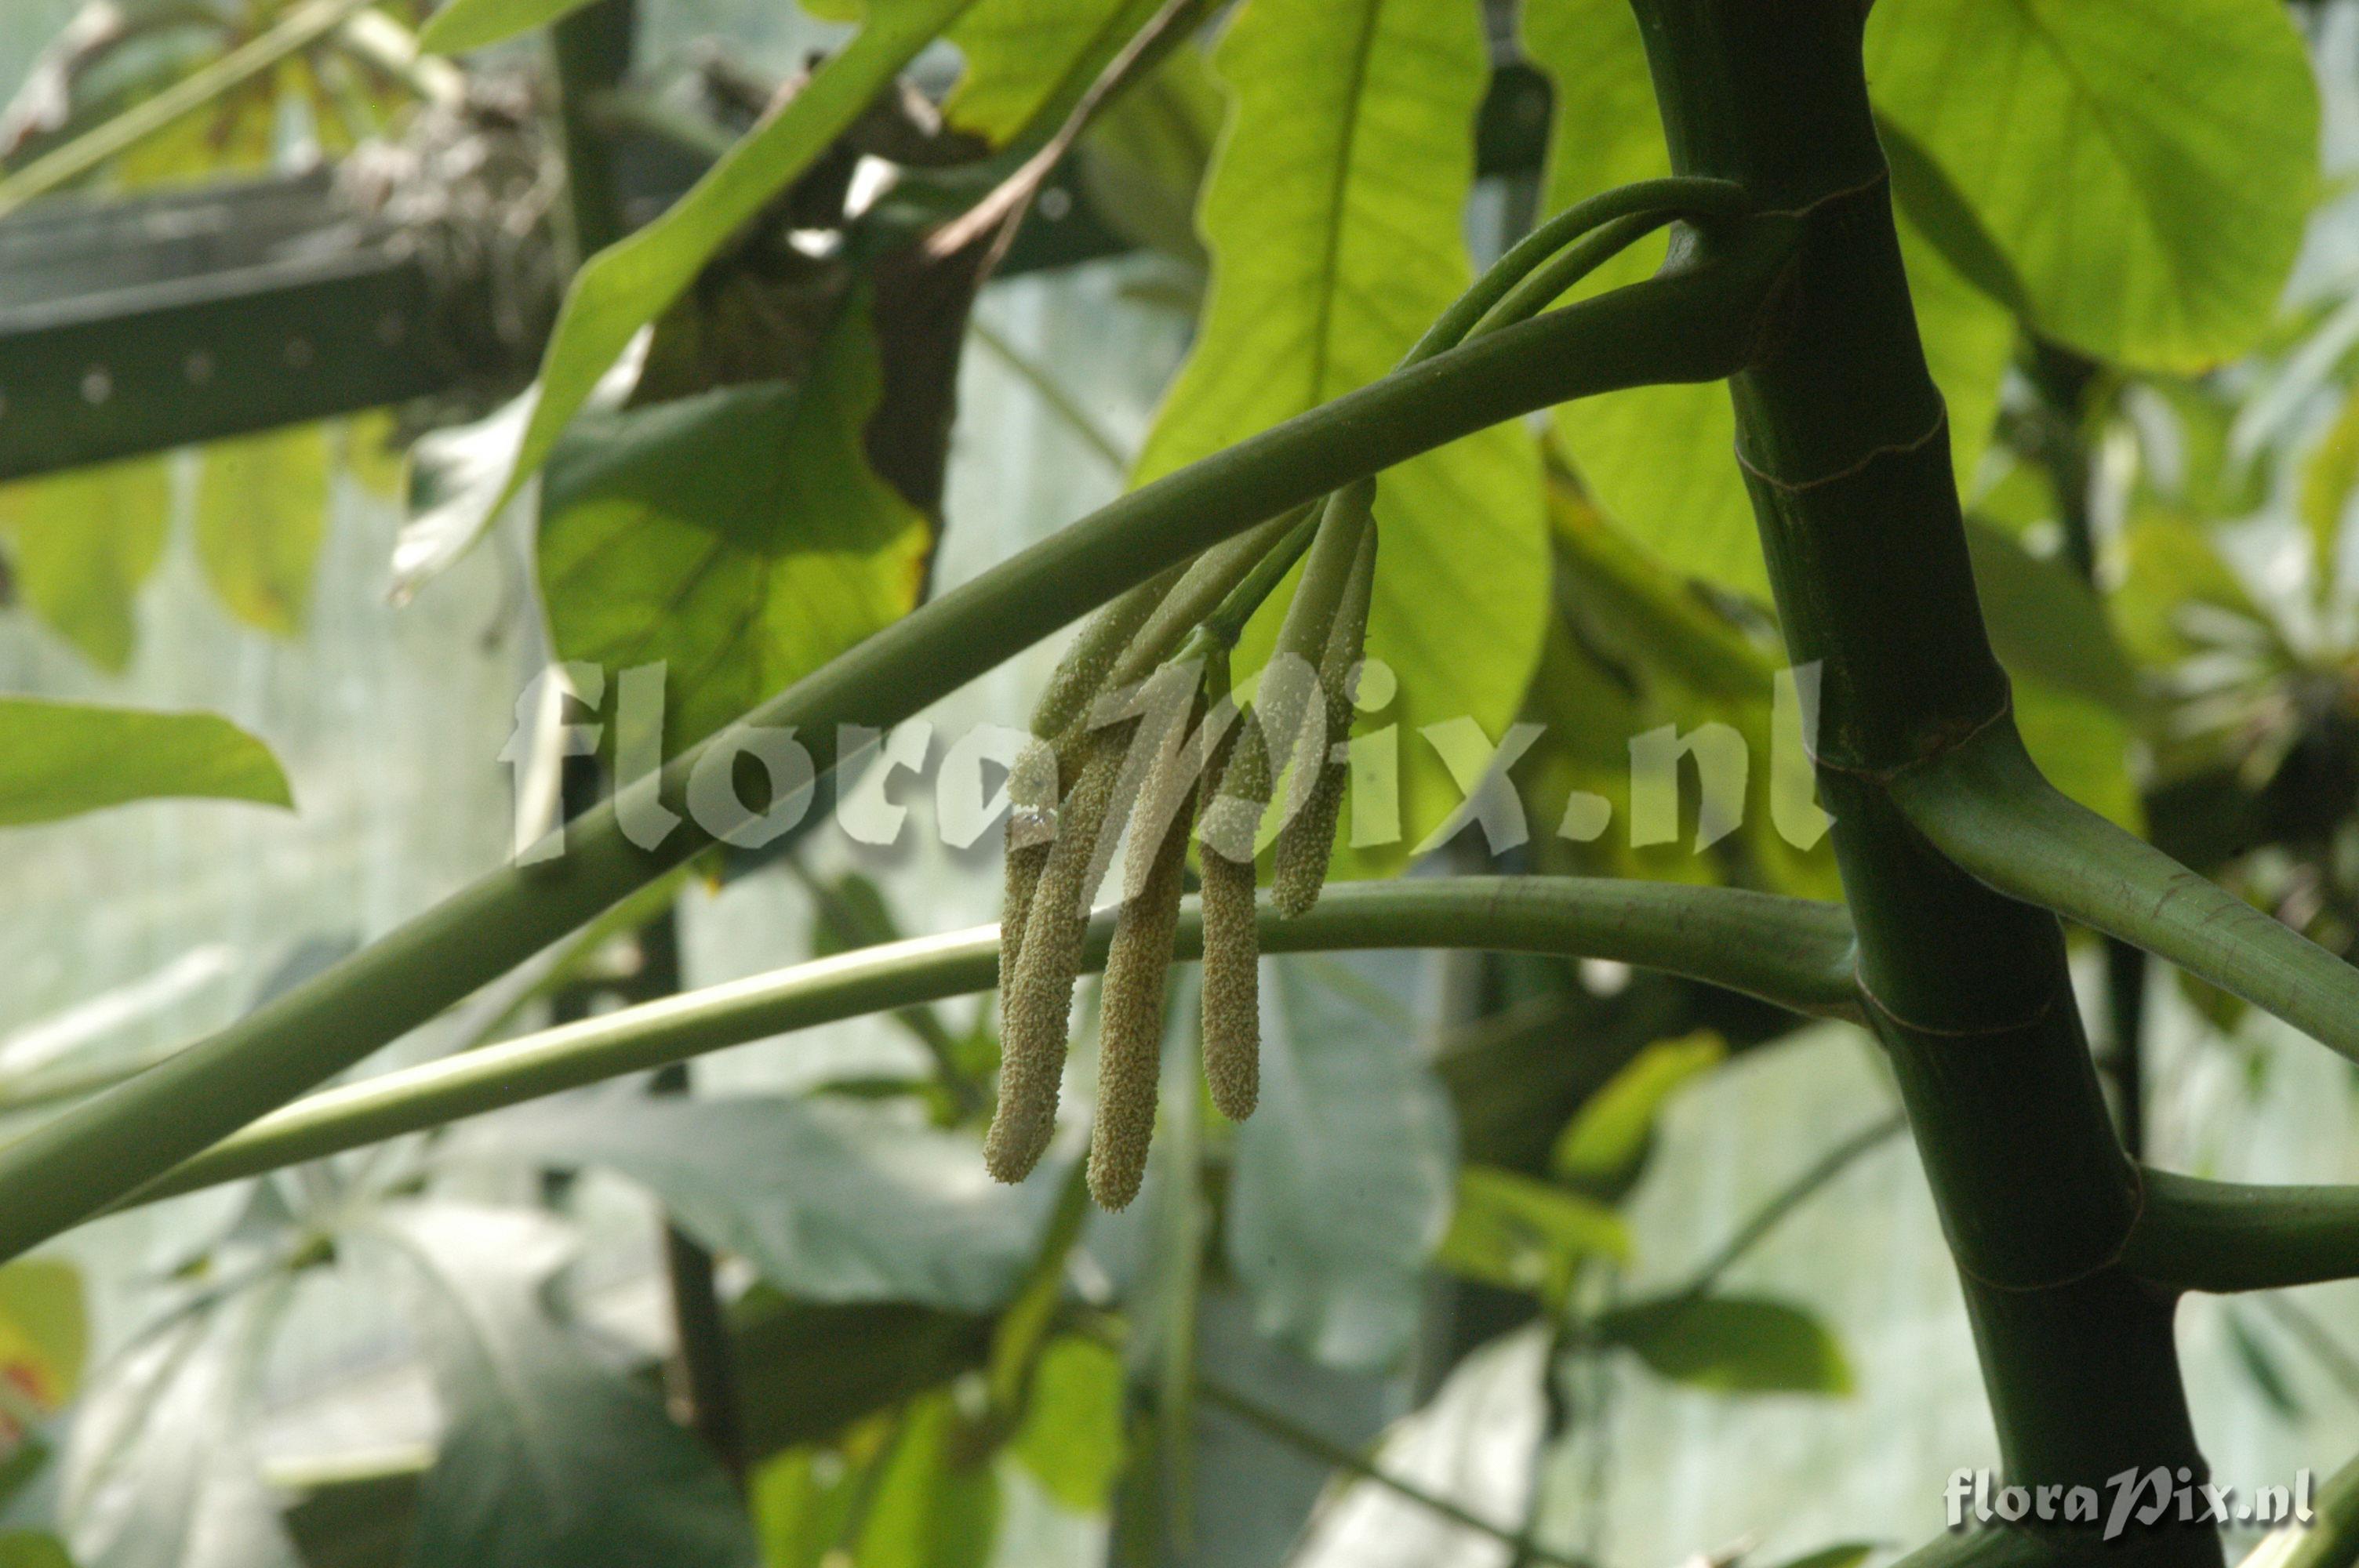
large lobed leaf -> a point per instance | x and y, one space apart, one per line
829 1199
81 543
1659 457
161 1469
2146 166
262 505
1333 211
1345 1175
632 282
547 1456
1026 58
739 536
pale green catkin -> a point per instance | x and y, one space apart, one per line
1031 827
1157 718
1061 737
1036 1000
1232 999
1130 1028
1081 674
1306 843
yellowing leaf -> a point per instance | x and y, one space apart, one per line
2083 747
368 452
80 544
936 1503
262 505
44 1332
1072 1437
1522 1234
2328 477
463 25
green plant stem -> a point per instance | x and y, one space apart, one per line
1790 951
1297 1436
2323 1347
378 41
2330 1541
70 1080
294 33
1992 1547
848 932
1201 590
2059 444
624 109
2218 1237
1986 805
1053 397
1695 323
591 47
1667 199
1554 278
1796 1192
1281 706
1222 591
1226 624
1844 445
1532 275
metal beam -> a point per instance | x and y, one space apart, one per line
132 326
213 314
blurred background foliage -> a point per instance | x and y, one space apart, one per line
1521 1261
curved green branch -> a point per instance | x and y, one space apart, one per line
1561 273
1995 1546
2330 1540
1698 322
1793 952
1986 805
2218 1236
1659 201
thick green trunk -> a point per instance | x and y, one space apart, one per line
1843 442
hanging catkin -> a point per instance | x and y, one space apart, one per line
1031 829
1306 844
1130 1013
1059 734
1080 675
1036 999
1231 1001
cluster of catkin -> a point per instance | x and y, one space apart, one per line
1174 758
